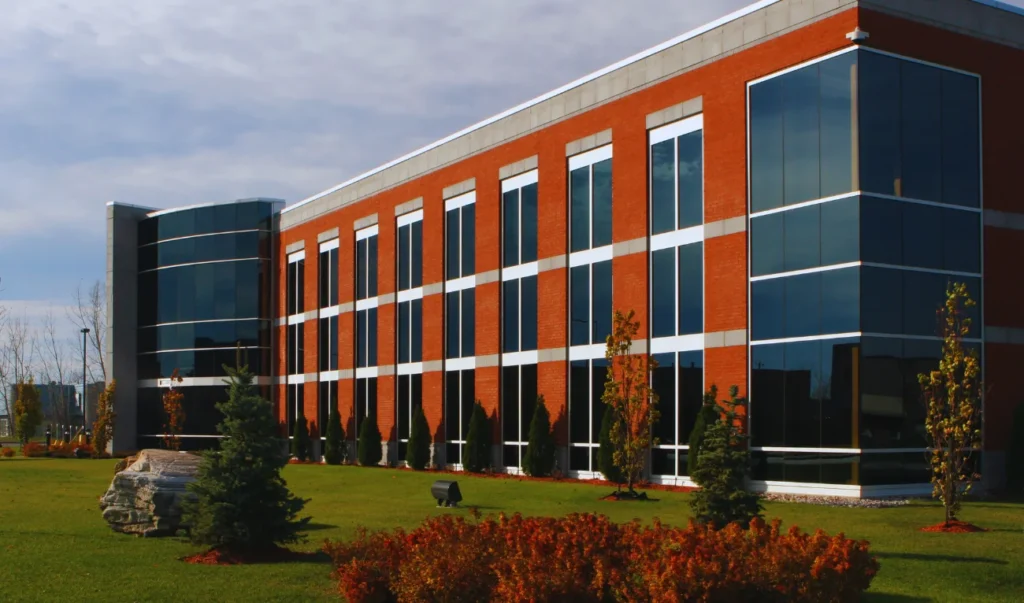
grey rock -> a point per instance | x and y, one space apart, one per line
145 499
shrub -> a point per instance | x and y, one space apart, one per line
477 453
33 449
1015 454
103 428
707 415
371 443
300 439
587 558
241 500
335 450
722 471
6 452
539 459
418 448
606 450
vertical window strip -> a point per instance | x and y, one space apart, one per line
409 313
460 306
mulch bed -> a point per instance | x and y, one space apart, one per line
276 554
954 527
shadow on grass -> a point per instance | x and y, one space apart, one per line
870 597
949 558
316 527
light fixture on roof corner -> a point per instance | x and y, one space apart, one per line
858 35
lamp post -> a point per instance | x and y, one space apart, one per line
85 408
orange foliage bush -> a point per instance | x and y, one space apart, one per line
6 452
584 557
66 450
33 449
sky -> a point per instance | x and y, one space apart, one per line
165 103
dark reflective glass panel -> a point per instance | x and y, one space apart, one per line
922 236
468 224
468 322
766 151
803 305
579 307
663 186
579 195
452 324
602 211
881 231
416 276
836 86
840 301
691 289
451 241
510 206
663 382
417 330
510 315
840 231
528 223
579 401
767 399
802 238
802 385
961 240
404 266
880 127
602 307
691 179
767 308
528 313
767 244
960 139
510 404
801 138
663 292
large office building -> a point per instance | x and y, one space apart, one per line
782 197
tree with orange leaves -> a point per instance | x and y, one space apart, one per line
174 414
628 394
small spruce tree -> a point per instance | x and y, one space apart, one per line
371 443
418 448
241 500
708 414
539 459
300 438
1015 454
477 453
335 449
722 471
606 450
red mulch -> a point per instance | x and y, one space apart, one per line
954 527
276 554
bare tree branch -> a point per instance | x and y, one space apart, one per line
17 353
90 312
56 372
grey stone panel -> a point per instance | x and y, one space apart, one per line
552 263
588 142
519 167
409 206
433 366
553 355
1004 219
675 112
385 299
488 361
365 222
328 235
1010 335
457 189
725 227
433 289
722 339
629 247
311 377
346 374
311 315
385 370
346 307
296 246
491 276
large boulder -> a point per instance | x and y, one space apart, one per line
146 497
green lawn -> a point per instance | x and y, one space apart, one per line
54 544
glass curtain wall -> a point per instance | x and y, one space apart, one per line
460 322
410 324
366 326
327 353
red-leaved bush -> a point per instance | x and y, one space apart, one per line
6 452
33 449
583 557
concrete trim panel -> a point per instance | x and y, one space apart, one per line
327 235
296 246
675 112
721 228
409 206
365 221
491 276
433 289
1004 219
724 339
629 247
457 189
520 167
553 355
552 263
1010 335
588 142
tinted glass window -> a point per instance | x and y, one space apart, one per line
766 152
922 235
602 211
579 192
371 336
960 134
404 316
361 247
961 240
767 402
803 305
691 391
404 264
452 324
879 123
691 289
767 244
921 120
881 300
802 389
836 96
768 309
528 312
468 223
663 382
840 226
663 191
838 364
528 226
469 322
923 294
663 292
840 301
510 206
801 136
416 277
579 308
452 244
579 401
510 404
602 308
881 231
691 179
802 238
510 312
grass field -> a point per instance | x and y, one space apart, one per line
55 546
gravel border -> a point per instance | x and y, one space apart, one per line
839 501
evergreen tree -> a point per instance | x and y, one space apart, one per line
606 452
241 500
28 410
418 448
539 459
300 438
477 452
370 449
335 450
722 471
708 414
